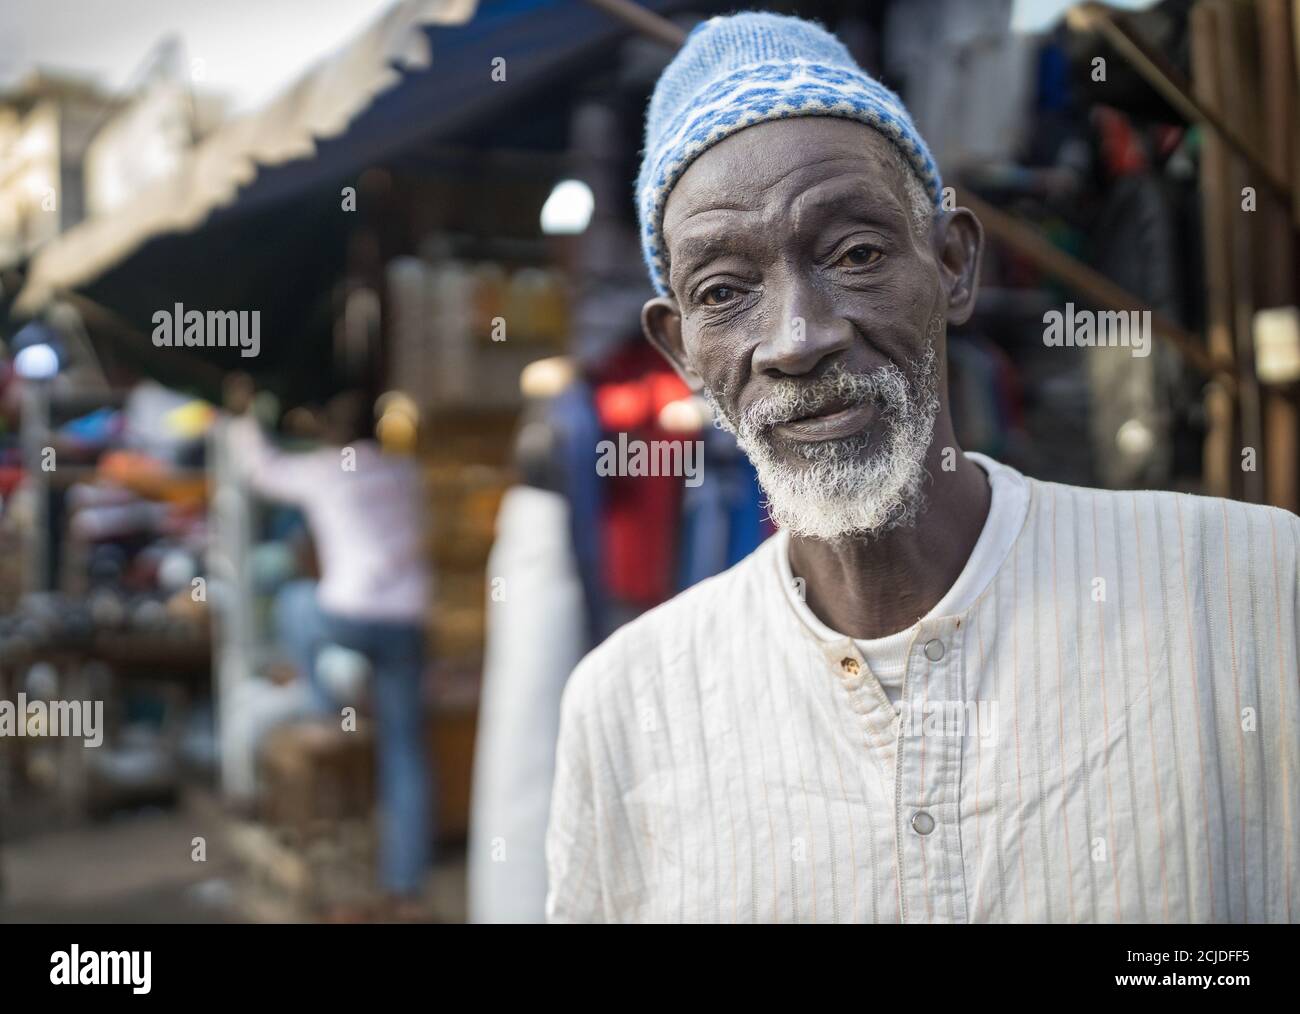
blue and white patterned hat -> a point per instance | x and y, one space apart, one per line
736 71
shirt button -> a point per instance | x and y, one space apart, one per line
922 822
934 649
850 666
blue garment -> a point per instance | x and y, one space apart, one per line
396 655
572 417
737 71
722 517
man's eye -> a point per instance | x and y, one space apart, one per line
716 295
859 257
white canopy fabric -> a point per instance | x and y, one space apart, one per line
319 106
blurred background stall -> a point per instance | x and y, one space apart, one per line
428 203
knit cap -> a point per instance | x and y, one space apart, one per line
736 71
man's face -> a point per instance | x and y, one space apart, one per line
812 309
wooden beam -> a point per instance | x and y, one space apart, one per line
1221 439
178 367
1238 99
1277 243
647 22
1088 282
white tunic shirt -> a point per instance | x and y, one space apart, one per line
1105 728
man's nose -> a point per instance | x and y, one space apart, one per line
804 333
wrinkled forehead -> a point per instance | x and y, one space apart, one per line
801 164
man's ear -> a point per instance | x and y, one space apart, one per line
662 323
959 241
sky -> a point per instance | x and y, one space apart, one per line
245 50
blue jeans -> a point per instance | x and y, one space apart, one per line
396 655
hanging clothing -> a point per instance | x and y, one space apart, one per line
571 416
1131 418
723 517
640 514
536 633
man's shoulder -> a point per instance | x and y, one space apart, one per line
1190 520
671 634
1193 507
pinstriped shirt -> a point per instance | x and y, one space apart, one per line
1106 730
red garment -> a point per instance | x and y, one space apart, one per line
1122 151
10 478
640 514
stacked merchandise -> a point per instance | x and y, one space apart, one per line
313 845
136 518
461 329
11 474
467 476
126 523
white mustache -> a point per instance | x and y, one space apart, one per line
885 386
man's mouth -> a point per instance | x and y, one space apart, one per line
833 421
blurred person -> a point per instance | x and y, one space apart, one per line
363 509
943 692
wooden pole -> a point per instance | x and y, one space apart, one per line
1220 407
647 22
178 368
1238 98
1094 286
1280 113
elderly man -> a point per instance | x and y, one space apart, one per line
944 692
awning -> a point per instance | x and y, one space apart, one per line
319 106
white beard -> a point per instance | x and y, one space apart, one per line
836 492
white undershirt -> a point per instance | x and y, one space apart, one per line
886 657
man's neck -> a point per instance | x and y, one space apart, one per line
872 586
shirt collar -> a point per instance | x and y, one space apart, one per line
1008 507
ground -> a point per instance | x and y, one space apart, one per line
137 867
